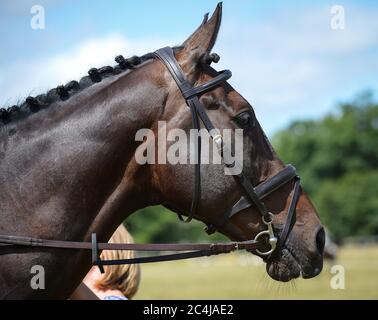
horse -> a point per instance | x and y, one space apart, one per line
68 169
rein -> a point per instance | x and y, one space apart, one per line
195 249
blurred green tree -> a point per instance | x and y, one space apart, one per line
159 224
337 157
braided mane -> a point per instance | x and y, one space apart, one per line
32 105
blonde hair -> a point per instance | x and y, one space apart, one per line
124 278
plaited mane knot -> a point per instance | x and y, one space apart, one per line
104 71
209 58
94 75
72 86
62 92
42 100
121 61
33 104
127 63
13 109
134 61
4 115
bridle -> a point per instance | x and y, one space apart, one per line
253 196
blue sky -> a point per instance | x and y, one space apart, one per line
286 59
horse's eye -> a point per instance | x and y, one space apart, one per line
244 120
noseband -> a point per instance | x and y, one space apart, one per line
253 195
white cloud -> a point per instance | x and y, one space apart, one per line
23 78
288 66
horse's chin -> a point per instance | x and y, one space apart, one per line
284 267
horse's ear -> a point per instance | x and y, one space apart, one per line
201 41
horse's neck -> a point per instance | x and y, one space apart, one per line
78 171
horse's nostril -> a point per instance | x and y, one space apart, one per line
320 240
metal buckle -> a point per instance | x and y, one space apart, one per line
272 238
96 260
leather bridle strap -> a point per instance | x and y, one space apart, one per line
190 95
46 243
166 55
275 182
262 190
291 216
161 258
196 249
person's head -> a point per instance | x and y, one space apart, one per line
124 278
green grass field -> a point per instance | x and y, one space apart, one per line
243 276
